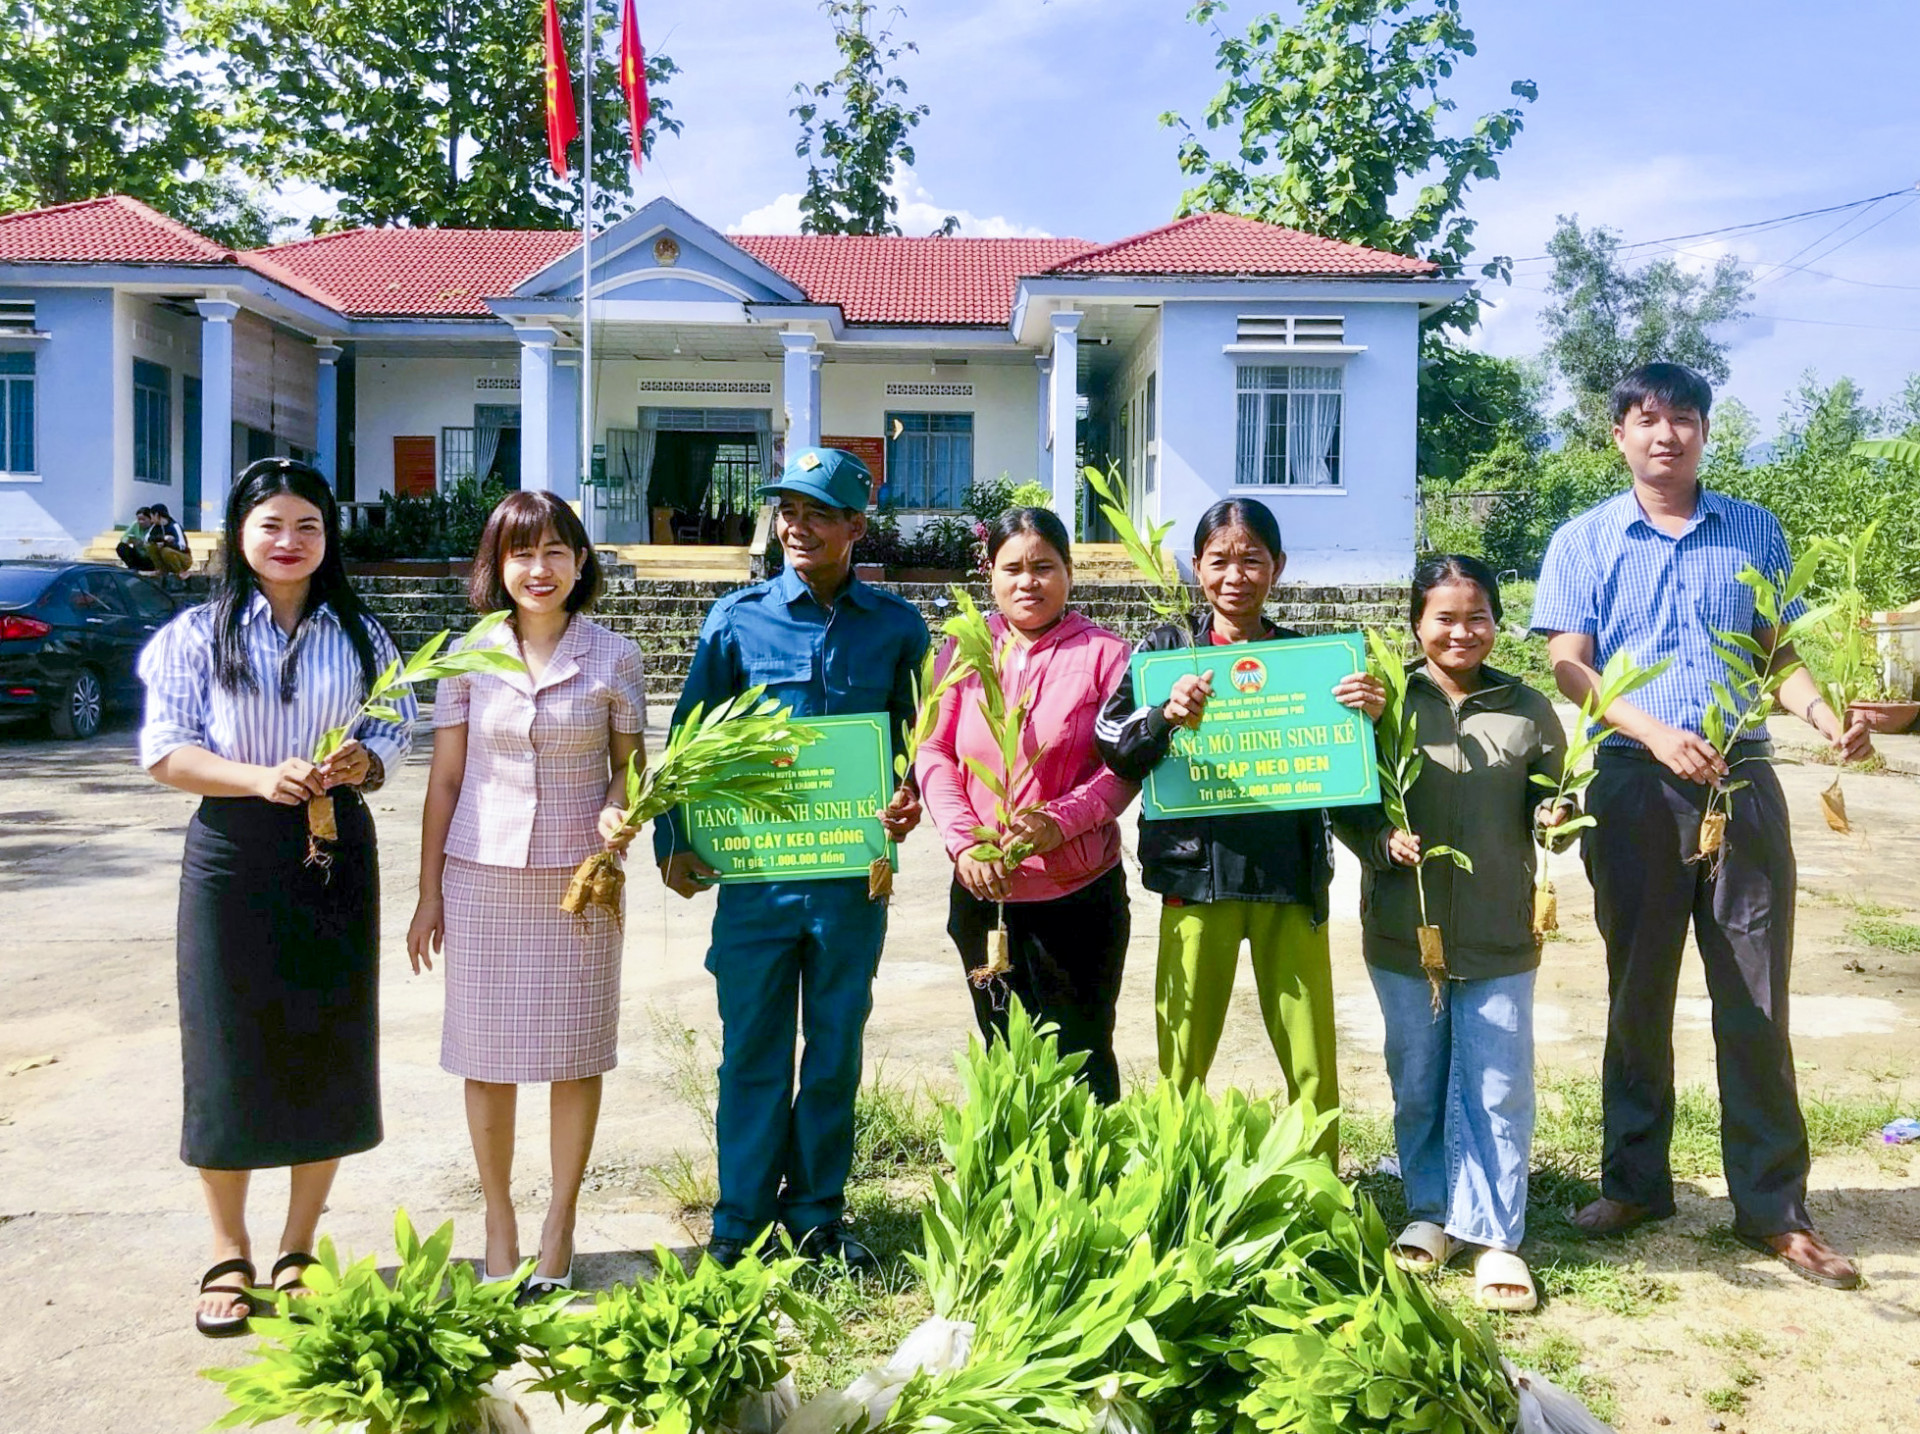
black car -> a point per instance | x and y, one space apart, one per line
70 634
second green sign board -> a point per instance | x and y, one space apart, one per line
1273 737
841 782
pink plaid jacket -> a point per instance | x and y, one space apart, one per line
537 754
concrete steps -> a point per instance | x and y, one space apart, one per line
665 616
667 562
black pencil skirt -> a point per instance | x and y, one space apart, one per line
279 998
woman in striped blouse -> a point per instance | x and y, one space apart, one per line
278 957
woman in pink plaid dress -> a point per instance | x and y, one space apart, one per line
529 778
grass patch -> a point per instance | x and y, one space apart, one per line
1725 1399
896 1129
1886 935
1624 1290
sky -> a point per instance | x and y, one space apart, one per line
1655 118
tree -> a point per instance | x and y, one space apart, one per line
1334 113
421 112
851 155
1732 433
95 99
1470 403
1607 318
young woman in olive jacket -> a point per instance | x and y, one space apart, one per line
1463 1075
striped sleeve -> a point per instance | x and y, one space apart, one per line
389 740
177 668
629 690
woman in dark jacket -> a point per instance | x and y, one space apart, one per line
1463 1075
1258 878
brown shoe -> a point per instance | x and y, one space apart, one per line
1606 1217
1808 1255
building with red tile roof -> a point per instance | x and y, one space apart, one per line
1211 355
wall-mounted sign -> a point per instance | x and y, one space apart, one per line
666 251
870 451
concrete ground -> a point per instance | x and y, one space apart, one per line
102 1234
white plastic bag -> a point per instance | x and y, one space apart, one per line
935 1345
1545 1408
762 1413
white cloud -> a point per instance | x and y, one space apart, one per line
918 213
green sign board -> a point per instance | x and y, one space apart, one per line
1273 737
841 783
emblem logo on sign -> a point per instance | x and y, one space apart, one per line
785 759
1249 675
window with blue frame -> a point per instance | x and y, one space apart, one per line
16 414
1289 427
929 459
152 423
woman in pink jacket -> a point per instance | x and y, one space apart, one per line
1066 905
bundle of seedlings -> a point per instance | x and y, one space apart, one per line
1167 594
1755 671
1621 676
416 1356
426 665
1853 673
737 753
1400 761
929 686
1171 1262
975 653
687 1352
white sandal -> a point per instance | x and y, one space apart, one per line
1497 1268
1432 1245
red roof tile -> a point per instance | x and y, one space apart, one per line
419 273
110 230
1232 244
874 279
877 279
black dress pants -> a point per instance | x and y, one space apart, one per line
1645 893
1067 955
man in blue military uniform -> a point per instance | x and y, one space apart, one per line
789 954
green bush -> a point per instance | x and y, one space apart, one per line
1816 494
440 525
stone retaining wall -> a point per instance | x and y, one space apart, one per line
665 617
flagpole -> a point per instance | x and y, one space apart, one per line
586 258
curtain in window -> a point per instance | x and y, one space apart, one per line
1315 420
763 441
486 439
646 444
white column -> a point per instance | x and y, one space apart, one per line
536 393
327 419
800 389
1065 415
1042 469
216 407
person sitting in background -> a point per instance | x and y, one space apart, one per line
166 545
132 546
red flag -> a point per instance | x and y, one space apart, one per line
562 127
633 77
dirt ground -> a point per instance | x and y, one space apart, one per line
101 1233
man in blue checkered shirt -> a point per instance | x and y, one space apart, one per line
1654 572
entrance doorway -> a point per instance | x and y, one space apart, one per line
685 475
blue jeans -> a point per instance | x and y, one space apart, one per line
1462 1101
790 958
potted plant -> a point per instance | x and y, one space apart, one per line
975 652
1853 685
1621 677
1397 738
1740 706
729 752
417 1356
697 1352
426 665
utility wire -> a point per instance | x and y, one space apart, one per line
1738 228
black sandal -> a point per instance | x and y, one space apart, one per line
228 1328
297 1261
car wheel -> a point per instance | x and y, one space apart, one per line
77 716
